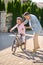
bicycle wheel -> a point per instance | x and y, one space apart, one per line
13 45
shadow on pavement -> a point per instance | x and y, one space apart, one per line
36 57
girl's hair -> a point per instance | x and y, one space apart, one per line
19 18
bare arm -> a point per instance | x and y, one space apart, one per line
13 28
25 22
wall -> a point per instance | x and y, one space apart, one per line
3 21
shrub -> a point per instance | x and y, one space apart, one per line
2 5
42 17
10 7
16 11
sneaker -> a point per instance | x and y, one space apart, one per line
34 50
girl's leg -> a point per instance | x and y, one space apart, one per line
24 42
21 47
15 49
36 43
13 45
24 45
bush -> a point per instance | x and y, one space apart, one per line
29 9
24 7
16 11
10 7
42 17
2 5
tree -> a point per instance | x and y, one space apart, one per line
16 11
2 5
42 17
10 7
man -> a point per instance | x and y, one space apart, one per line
35 26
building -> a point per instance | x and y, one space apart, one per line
2 21
40 4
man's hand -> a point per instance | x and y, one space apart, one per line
27 27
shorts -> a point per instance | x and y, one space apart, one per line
36 31
22 38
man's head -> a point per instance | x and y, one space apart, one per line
26 15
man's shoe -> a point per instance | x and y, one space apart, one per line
34 50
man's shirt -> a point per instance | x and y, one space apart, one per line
34 23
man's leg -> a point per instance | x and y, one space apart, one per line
36 43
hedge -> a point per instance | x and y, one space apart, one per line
17 9
2 5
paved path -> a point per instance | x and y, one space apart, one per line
20 58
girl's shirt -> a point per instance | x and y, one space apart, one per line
21 28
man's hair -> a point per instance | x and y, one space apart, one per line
26 13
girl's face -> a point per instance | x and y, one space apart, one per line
18 22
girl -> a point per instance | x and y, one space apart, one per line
21 29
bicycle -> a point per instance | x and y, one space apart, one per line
18 42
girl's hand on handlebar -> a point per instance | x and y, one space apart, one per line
10 30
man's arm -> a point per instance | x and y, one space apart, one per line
27 27
25 22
